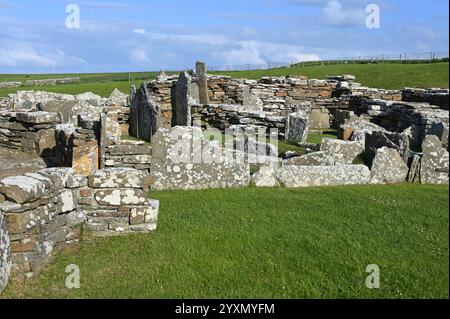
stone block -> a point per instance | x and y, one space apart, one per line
21 189
39 117
388 167
120 197
122 177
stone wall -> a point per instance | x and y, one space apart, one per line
128 154
10 85
438 97
45 210
31 132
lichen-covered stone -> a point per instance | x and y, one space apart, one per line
297 126
435 162
388 167
21 189
77 181
265 177
305 176
120 197
341 152
39 117
187 164
117 178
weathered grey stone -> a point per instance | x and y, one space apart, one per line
378 139
21 189
118 97
130 149
5 253
137 159
341 152
120 197
311 159
67 201
435 162
414 170
58 175
265 177
187 94
305 176
297 126
319 118
360 128
388 167
38 117
76 181
75 218
117 178
200 68
183 159
441 130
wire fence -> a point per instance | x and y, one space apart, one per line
417 57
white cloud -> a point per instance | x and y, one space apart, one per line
336 15
21 57
139 55
254 52
139 31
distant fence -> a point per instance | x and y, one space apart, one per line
418 57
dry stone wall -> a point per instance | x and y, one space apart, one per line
44 210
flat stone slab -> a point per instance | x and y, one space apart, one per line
117 178
306 176
21 189
120 197
130 149
39 117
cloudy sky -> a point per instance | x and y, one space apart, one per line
172 34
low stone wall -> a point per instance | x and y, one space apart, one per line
31 132
10 85
44 210
438 97
52 81
137 155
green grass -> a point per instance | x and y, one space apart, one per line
389 76
269 243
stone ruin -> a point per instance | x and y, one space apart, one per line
101 155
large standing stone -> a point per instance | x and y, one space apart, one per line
297 126
388 167
182 159
144 114
186 95
305 176
441 130
5 253
202 82
320 118
435 162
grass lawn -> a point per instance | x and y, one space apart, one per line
389 76
269 243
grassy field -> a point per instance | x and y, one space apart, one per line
389 76
269 243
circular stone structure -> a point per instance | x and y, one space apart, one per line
5 254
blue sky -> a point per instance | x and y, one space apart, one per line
142 35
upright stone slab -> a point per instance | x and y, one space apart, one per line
378 139
5 253
435 162
388 167
341 152
297 126
144 114
181 160
186 95
85 158
202 81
